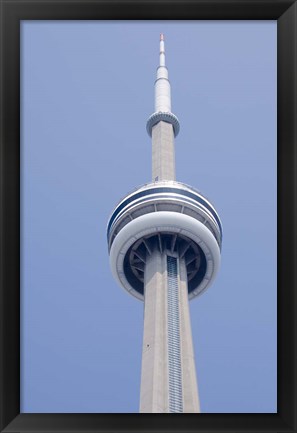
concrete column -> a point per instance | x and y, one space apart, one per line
154 375
190 390
154 393
163 154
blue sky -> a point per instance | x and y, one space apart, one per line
87 91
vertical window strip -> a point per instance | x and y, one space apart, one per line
174 357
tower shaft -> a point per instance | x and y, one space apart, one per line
168 380
163 155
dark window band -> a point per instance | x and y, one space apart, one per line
156 190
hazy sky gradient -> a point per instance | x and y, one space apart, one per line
87 91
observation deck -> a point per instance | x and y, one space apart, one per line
167 215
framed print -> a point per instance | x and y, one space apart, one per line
65 258
55 340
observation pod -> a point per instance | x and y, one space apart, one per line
164 215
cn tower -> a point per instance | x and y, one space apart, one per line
164 242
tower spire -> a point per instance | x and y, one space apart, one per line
162 96
162 50
162 84
162 125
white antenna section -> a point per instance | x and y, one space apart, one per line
162 96
162 84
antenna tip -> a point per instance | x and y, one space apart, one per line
161 37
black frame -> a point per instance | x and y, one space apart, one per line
12 11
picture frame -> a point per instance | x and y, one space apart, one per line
11 15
